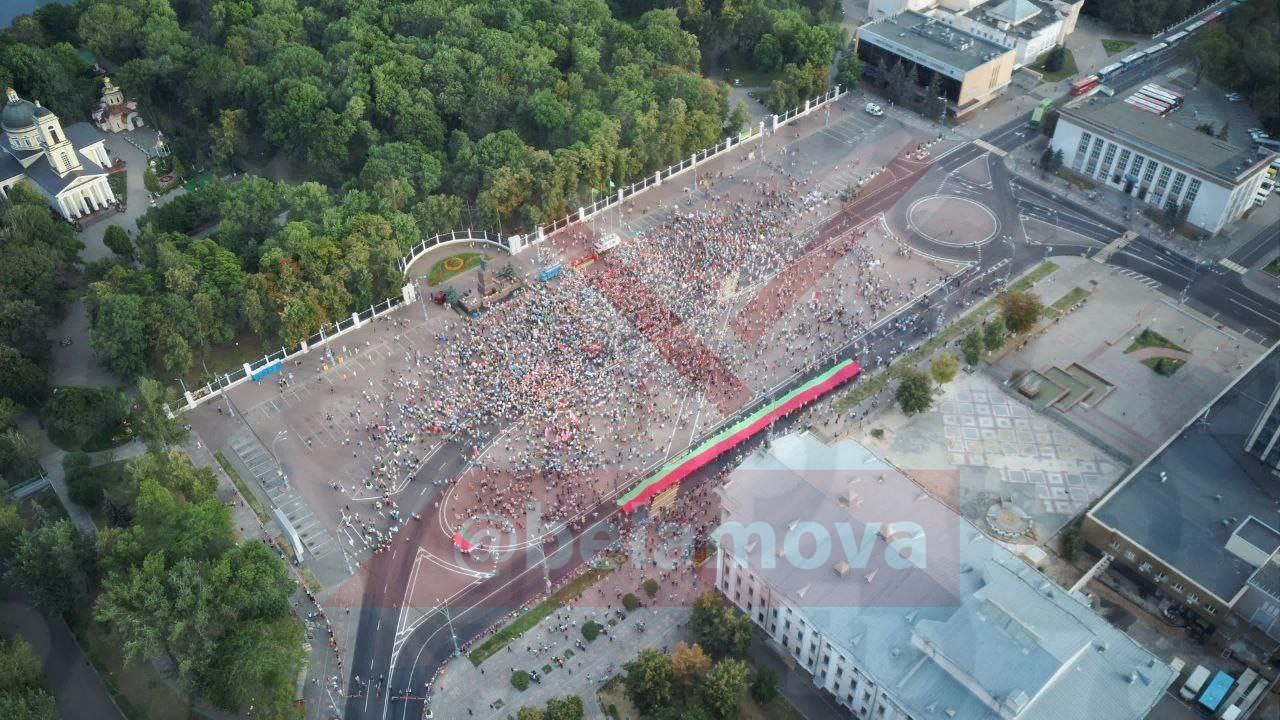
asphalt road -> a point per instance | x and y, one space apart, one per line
1213 290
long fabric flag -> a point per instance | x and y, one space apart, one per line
734 435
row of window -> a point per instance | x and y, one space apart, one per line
1091 149
1160 577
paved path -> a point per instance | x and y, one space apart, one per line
464 687
73 681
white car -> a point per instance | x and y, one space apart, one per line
873 109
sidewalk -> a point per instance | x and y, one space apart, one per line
486 691
72 680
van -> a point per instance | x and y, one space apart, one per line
1231 713
1195 682
1177 664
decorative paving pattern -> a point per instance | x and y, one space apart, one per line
1034 456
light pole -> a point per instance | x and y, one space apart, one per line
449 620
279 468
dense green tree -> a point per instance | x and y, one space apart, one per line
12 526
119 335
719 629
971 347
649 680
915 391
151 423
23 692
724 686
117 241
764 686
53 564
993 334
849 71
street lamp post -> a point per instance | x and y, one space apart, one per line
449 621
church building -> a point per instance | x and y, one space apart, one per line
66 166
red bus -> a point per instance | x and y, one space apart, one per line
1084 85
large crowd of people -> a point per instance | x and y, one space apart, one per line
574 387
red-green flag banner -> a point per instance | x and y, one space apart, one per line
734 435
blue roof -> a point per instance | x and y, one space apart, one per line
1217 690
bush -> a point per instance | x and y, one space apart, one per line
764 688
82 486
591 631
630 602
520 680
877 433
1072 543
650 587
971 347
86 418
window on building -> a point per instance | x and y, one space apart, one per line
1192 598
1093 157
1081 149
1128 554
1121 165
1165 172
1161 577
1114 544
1177 586
1145 567
1136 170
1191 191
1210 609
1178 181
1149 173
866 697
1107 158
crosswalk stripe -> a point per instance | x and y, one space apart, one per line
1233 266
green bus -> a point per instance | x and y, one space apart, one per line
1038 114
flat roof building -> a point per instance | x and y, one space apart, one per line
901 609
972 70
1199 521
1159 161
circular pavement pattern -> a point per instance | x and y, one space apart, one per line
952 220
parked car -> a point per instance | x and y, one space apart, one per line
1234 97
873 109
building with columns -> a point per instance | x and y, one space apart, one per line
68 166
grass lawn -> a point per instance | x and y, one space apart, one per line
139 690
222 358
1066 301
739 65
866 388
1150 338
1273 267
446 268
537 614
199 181
119 186
254 503
1074 179
1113 46
1067 70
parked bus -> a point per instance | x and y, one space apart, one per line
1212 17
1195 26
1130 60
1167 97
1146 105
1084 85
1037 115
1218 688
1177 37
1110 70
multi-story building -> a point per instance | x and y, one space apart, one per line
1264 441
972 70
1198 523
1030 27
1160 162
901 609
